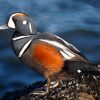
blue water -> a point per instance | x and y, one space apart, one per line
77 21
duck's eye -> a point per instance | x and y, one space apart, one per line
24 22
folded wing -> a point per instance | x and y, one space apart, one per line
67 50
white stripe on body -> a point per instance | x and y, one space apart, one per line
67 43
57 44
65 55
69 53
65 52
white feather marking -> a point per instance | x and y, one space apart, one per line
67 43
57 44
11 22
79 71
30 27
69 53
62 40
65 55
24 48
20 37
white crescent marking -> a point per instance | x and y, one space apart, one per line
24 48
30 27
11 22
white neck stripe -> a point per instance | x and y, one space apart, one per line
24 48
20 37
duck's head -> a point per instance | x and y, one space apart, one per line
22 23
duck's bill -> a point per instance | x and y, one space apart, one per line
3 27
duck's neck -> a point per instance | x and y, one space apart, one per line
21 43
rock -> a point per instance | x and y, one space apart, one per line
80 88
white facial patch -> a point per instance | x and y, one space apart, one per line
11 23
24 48
24 22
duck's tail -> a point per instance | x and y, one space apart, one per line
86 68
93 69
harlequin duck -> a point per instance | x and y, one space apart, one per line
48 54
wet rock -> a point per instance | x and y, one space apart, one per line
80 88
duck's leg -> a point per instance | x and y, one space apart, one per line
53 84
48 85
40 92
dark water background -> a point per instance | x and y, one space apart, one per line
77 21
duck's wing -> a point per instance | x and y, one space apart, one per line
67 50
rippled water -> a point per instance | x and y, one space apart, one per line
77 21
